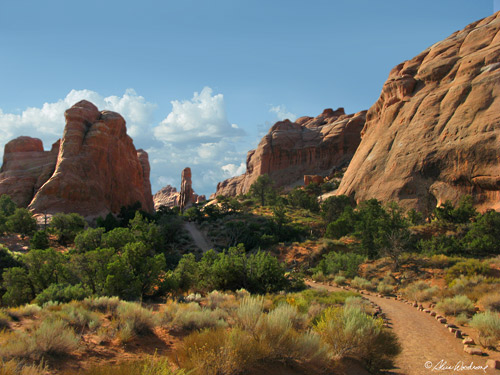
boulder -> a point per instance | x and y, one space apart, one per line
493 363
313 179
472 350
291 150
433 134
97 168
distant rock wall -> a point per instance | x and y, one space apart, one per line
168 196
434 133
93 170
308 146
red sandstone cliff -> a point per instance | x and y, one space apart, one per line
95 169
434 133
308 146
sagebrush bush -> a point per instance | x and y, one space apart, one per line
361 283
339 280
456 305
200 319
134 320
24 311
51 337
78 317
462 319
488 325
491 302
420 291
359 303
349 332
469 267
384 288
102 304
464 284
250 311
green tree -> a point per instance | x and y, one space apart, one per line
262 189
22 222
117 238
463 214
89 239
91 268
7 205
17 286
66 226
483 238
40 240
333 207
299 197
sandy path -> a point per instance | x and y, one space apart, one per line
424 340
198 237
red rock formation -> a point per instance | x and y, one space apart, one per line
98 169
292 149
313 179
167 196
94 170
186 196
26 167
433 135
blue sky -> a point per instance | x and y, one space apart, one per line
199 82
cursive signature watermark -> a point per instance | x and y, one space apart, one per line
443 365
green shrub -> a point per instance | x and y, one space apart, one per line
22 222
78 317
420 291
464 284
335 262
66 226
62 293
456 305
469 267
361 283
488 325
462 319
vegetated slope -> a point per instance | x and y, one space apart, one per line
93 170
307 146
433 135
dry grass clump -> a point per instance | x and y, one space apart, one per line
14 367
420 291
488 325
52 337
133 320
4 320
358 303
491 301
456 305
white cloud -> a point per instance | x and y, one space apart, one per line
202 119
282 114
231 170
47 122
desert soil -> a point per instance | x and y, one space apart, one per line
425 342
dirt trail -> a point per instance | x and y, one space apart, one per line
198 237
425 341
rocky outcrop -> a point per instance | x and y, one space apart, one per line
312 146
433 135
170 197
186 195
95 169
313 179
26 167
167 196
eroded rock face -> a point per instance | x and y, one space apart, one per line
25 168
167 196
93 170
433 135
308 146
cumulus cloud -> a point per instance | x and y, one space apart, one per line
231 170
202 119
282 114
47 122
